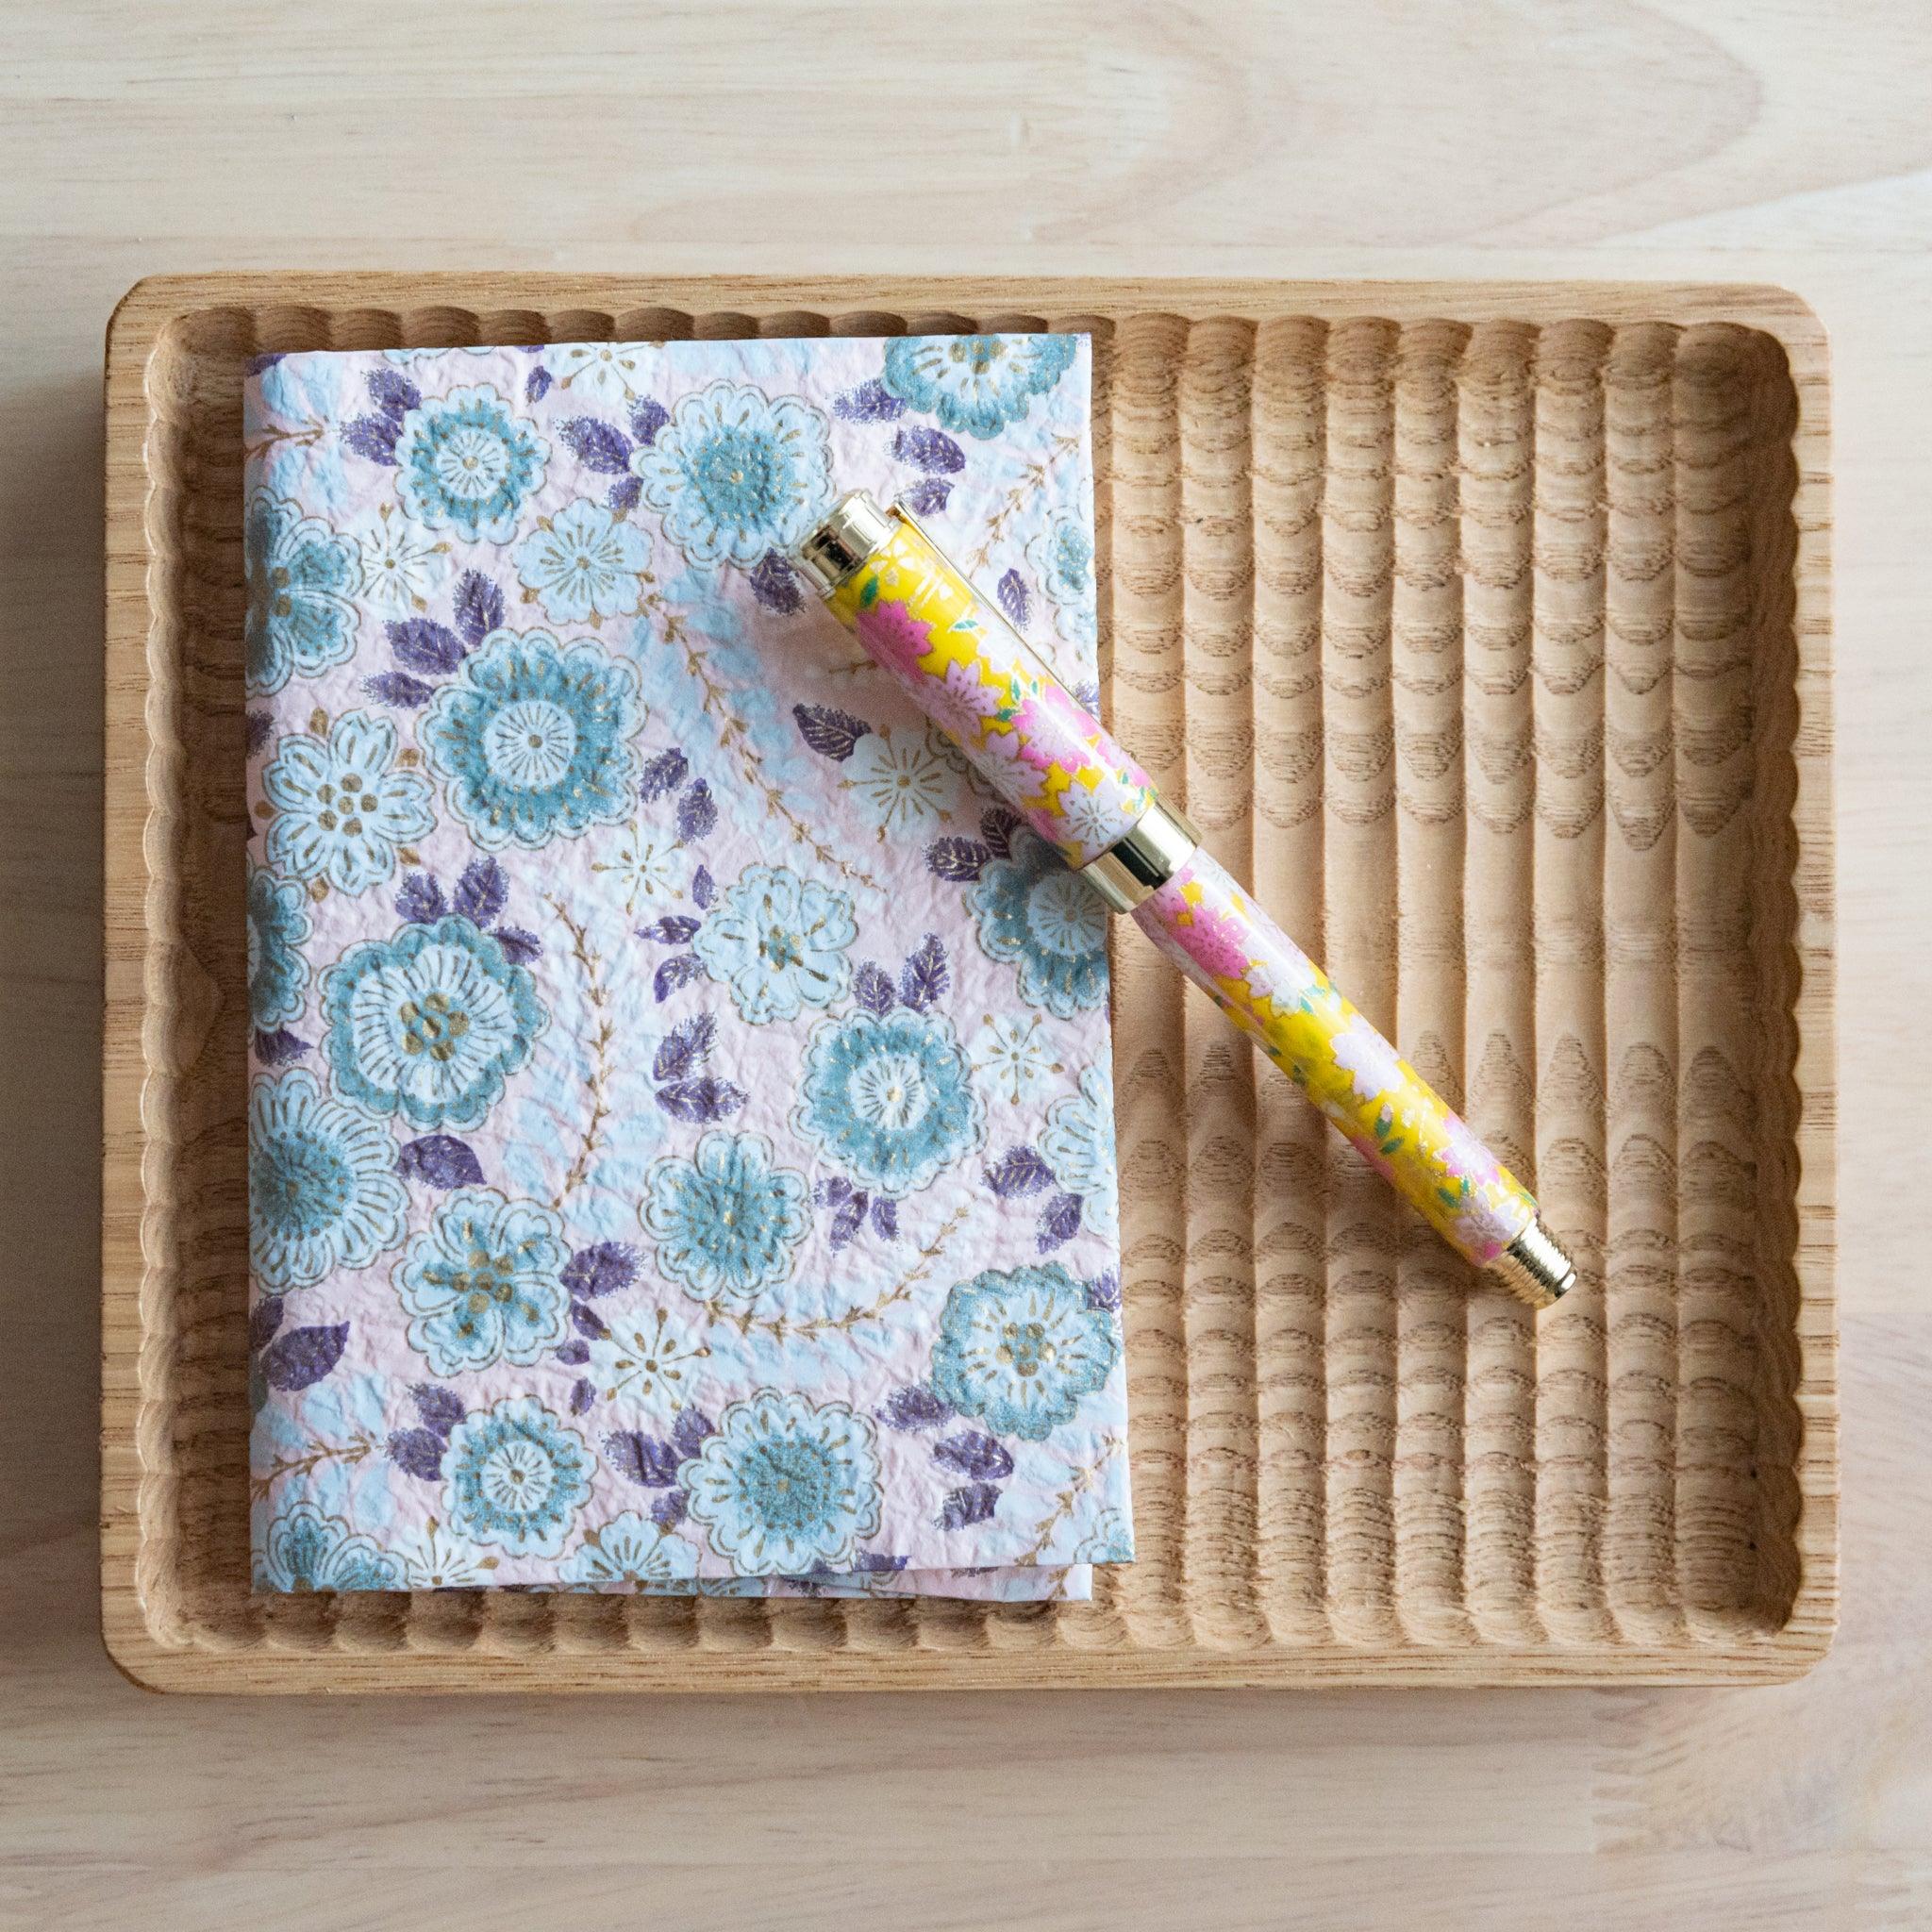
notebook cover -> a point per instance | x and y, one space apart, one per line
681 1123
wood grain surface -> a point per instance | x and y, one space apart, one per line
1486 625
1755 141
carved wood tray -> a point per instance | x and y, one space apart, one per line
1486 626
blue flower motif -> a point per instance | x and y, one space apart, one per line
975 385
484 1283
889 1098
533 740
344 807
1078 1145
632 1551
727 1221
1061 555
584 563
515 1477
465 463
778 941
734 474
430 1024
1020 1349
1031 910
301 578
323 1193
277 924
306 1550
784 1485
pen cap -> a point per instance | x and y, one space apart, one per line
856 527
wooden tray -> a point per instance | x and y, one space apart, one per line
1486 625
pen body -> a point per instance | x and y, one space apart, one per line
1209 927
1044 753
1059 767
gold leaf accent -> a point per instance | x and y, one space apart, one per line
318 722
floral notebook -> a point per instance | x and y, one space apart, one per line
681 1131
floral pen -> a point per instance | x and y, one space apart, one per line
1058 766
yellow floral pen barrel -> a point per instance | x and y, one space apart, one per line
1059 767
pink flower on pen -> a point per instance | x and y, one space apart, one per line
969 699
1466 1158
893 635
1374 1067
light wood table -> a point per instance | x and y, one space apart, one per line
1766 141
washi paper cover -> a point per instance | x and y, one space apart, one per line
681 1130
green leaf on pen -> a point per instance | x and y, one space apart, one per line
868 592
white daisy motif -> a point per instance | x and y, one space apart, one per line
402 564
1014 1055
904 783
610 371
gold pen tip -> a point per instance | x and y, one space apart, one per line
1534 1268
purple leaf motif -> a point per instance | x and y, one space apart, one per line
420 900
832 1190
870 402
1061 1223
685 1048
481 890
374 437
697 811
775 586
398 687
418 1453
689 1430
872 986
278 1048
830 733
589 1323
422 644
876 1563
538 387
264 1317
574 1352
303 1355
667 1513
582 1393
1014 601
441 1409
975 1456
519 947
598 446
674 929
601 1268
996 827
928 496
478 607
1104 1290
625 493
675 972
441 1160
927 976
255 730
704 1099
704 889
392 392
885 1219
646 1460
848 1221
1021 1170
647 416
663 775
965 1507
931 450
957 860
916 1407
